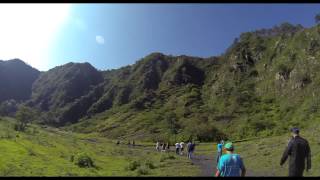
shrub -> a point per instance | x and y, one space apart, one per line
164 157
83 160
133 165
143 170
31 152
171 156
150 164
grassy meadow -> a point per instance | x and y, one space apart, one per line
49 152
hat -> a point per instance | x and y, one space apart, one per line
295 130
229 146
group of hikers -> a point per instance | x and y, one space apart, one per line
165 147
231 164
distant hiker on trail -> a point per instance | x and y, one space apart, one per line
230 164
177 148
219 150
163 148
181 148
168 147
190 149
299 151
158 146
133 143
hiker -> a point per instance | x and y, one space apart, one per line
163 147
299 151
219 146
230 164
133 143
190 149
158 146
177 148
168 147
181 148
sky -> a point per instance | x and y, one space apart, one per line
111 36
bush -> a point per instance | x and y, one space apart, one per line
133 165
150 164
165 157
171 156
162 158
31 152
143 170
83 160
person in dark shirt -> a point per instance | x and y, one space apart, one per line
299 151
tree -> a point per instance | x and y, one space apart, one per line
24 116
317 18
8 108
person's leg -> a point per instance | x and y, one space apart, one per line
295 172
218 157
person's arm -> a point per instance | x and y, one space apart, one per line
286 153
308 157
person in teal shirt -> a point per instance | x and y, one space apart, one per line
230 164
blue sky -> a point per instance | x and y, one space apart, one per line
114 35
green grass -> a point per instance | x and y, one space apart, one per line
48 152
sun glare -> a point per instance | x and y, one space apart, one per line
26 31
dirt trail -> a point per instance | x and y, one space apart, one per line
208 165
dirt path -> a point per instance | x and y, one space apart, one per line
208 165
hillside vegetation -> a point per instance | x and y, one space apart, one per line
265 82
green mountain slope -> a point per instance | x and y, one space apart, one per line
59 88
265 82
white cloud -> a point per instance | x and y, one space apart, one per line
100 39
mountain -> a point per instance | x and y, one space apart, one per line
57 90
16 79
265 82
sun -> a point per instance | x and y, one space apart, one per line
26 31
